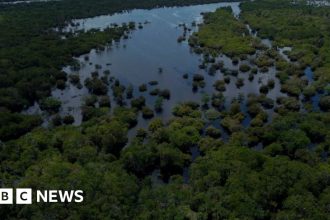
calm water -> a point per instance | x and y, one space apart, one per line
319 3
137 60
24 2
167 17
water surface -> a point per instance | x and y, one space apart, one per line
137 60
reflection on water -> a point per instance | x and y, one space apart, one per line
24 2
137 60
309 74
166 17
318 2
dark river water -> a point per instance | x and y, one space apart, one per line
137 60
24 2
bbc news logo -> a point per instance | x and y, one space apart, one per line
25 196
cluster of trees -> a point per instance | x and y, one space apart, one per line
289 178
155 176
231 41
268 19
33 52
29 72
301 26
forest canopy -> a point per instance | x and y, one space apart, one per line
257 158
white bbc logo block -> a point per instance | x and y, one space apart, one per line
23 196
6 196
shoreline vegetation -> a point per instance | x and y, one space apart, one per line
306 31
258 158
33 53
232 40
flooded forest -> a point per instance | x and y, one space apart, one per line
167 109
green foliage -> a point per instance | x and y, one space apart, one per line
13 125
287 179
304 28
125 115
325 103
108 137
244 68
159 104
212 114
222 32
96 86
184 137
68 119
138 103
89 112
187 109
293 132
293 86
213 132
50 105
147 113
240 183
110 191
229 178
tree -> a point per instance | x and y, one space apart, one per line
159 104
51 105
138 103
205 99
109 137
68 119
325 103
147 113
96 86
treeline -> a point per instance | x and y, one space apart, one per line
32 53
145 180
223 33
301 26
273 169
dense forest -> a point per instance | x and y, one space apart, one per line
275 168
33 53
